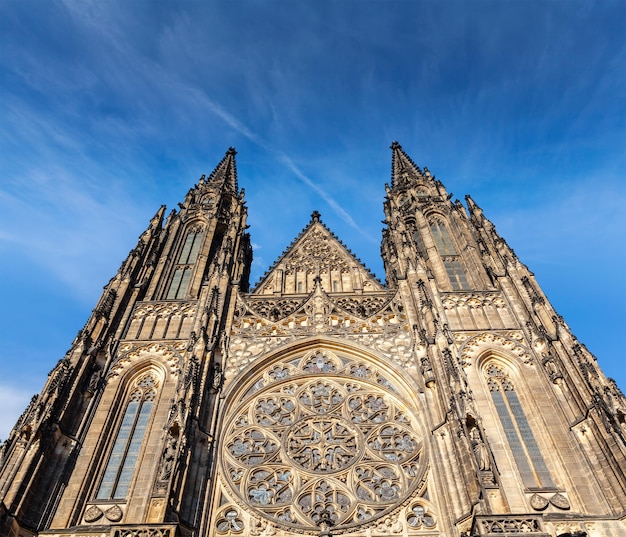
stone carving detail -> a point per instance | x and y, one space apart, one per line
507 525
144 531
162 320
427 371
106 306
129 354
299 444
390 525
316 253
514 335
261 527
229 522
478 344
482 456
93 514
477 311
574 529
387 331
538 503
419 516
59 376
166 465
273 309
552 369
327 445
362 307
560 501
114 514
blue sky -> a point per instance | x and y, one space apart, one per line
110 109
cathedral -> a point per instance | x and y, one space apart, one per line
450 401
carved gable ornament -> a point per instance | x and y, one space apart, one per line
489 341
317 253
377 321
130 354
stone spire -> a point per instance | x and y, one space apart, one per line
225 173
402 167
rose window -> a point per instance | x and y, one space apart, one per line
325 434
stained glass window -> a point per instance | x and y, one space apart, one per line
456 274
184 266
449 255
123 458
322 432
517 430
444 243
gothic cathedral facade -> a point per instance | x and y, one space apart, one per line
452 401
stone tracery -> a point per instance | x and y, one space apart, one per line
299 444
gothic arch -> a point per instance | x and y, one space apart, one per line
453 267
321 425
189 243
515 416
137 395
436 212
475 349
197 223
166 358
349 349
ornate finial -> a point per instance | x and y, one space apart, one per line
231 151
316 216
395 145
325 522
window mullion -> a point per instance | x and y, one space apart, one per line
128 442
511 432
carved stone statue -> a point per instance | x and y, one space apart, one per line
167 460
218 377
480 449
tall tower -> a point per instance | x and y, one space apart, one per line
123 429
451 401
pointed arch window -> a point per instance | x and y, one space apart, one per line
130 435
449 255
184 265
517 430
422 193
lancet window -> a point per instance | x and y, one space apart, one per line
184 265
125 452
517 430
449 255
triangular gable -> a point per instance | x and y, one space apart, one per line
317 254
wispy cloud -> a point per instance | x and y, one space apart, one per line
237 125
109 109
320 191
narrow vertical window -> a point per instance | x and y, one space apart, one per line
444 243
123 458
517 430
449 255
419 243
184 266
456 274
